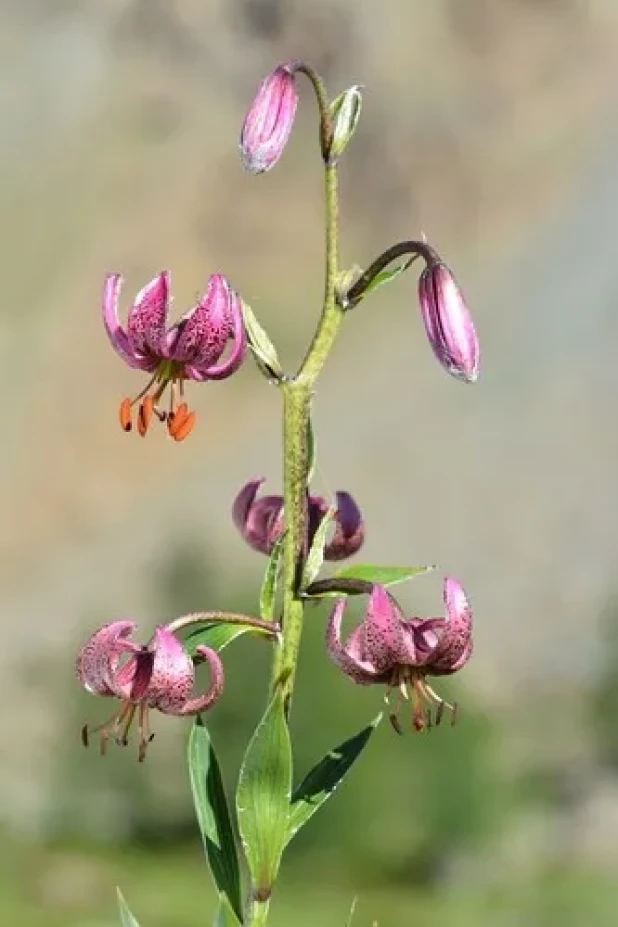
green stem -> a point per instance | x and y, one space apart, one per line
297 395
258 914
332 313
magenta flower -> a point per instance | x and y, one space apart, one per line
448 322
401 652
159 675
260 521
188 350
269 121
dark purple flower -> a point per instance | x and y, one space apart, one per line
260 521
159 675
191 349
448 322
269 121
401 652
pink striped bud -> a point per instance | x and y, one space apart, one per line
448 322
269 121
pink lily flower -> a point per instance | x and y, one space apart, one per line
260 521
401 652
188 350
158 675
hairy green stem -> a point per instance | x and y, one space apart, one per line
297 395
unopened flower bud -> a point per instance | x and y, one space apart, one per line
345 110
269 121
448 322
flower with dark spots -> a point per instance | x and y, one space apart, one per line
158 675
260 521
269 120
401 652
190 349
448 322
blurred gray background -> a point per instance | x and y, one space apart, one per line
492 127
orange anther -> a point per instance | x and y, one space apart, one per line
185 427
144 416
177 418
125 415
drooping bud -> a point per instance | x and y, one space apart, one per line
269 121
345 110
448 322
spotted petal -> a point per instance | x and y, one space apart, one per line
146 327
203 332
384 642
457 636
115 332
348 657
172 676
98 660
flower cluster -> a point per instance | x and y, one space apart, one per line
208 343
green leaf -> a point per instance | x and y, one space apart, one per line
216 635
269 584
324 778
261 346
263 796
225 916
315 558
126 917
387 276
382 575
352 910
213 816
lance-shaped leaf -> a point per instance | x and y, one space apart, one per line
263 797
381 575
262 348
213 816
324 778
225 916
218 635
126 917
268 592
352 910
315 558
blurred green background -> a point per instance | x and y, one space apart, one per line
492 127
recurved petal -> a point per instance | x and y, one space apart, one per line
238 337
348 657
171 681
146 326
204 330
115 332
384 644
215 690
98 659
260 521
349 529
458 633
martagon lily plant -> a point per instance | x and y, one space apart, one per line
296 530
